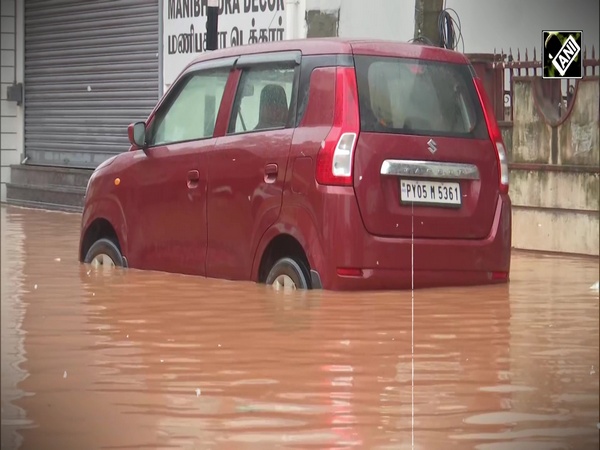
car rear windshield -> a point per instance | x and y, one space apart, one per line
415 97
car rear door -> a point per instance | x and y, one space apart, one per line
424 162
248 164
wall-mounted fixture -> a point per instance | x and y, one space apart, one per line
14 93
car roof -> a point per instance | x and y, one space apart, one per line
328 46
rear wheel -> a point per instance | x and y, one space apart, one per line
104 253
289 274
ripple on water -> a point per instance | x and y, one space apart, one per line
168 360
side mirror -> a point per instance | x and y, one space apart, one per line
137 134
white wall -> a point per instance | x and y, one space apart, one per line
323 5
377 19
11 144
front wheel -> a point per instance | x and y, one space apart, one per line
289 274
104 253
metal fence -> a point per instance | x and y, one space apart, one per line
499 71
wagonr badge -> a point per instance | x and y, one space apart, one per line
432 146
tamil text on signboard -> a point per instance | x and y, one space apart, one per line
240 22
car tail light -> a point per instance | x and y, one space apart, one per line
495 135
336 156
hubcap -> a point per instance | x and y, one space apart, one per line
103 260
284 282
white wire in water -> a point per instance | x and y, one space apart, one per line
412 322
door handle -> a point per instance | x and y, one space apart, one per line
193 178
271 171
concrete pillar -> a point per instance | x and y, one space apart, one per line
295 19
427 14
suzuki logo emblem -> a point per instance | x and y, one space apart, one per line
432 146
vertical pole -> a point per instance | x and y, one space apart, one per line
295 19
291 22
300 20
419 8
427 13
212 25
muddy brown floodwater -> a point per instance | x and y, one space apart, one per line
130 359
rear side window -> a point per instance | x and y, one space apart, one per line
418 97
263 99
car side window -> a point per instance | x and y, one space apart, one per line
191 113
263 99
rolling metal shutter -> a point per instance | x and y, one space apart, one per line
91 68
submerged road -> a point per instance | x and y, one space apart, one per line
129 359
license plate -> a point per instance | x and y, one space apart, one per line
430 192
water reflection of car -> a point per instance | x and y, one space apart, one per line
323 163
332 362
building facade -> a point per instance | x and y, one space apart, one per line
11 121
75 74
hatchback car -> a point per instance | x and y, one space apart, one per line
319 163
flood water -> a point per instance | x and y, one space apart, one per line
142 360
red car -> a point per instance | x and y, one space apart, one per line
319 163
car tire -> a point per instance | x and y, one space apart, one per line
100 250
288 270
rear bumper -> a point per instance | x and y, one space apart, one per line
386 262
